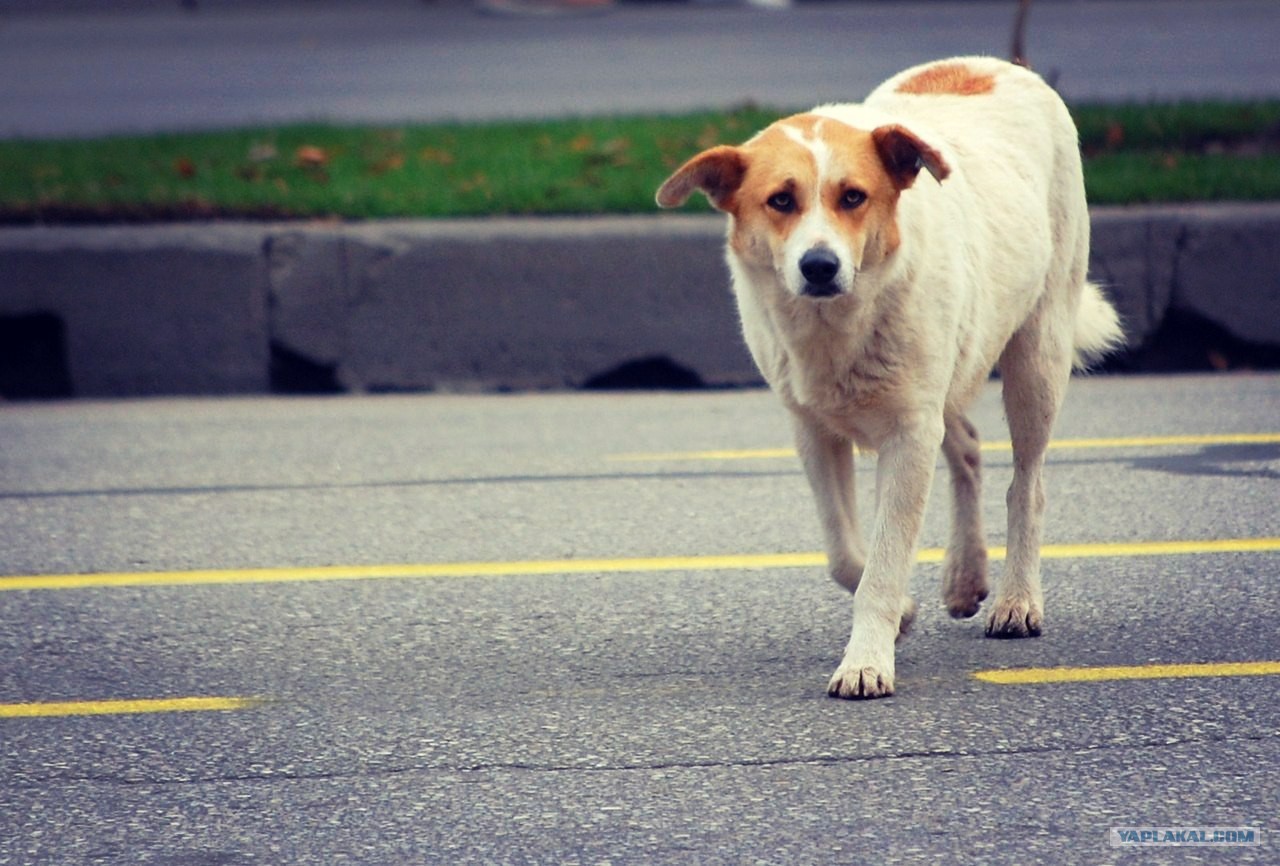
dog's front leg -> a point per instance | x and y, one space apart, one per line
881 606
828 464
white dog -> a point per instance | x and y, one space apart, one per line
876 303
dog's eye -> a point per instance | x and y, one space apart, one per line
782 202
852 198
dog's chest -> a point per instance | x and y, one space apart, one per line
853 385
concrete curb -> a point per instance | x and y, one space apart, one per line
233 308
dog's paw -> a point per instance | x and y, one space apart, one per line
852 682
1015 618
964 583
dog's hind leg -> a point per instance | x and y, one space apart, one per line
964 570
1035 368
828 464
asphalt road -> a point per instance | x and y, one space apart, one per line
158 67
566 698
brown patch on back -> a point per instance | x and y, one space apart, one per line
955 79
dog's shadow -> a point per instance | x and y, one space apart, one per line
1216 460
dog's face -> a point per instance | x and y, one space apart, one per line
811 198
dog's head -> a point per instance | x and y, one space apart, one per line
810 197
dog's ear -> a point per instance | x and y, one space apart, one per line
716 172
904 154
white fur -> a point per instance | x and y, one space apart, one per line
815 230
990 272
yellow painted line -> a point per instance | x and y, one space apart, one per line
125 707
1036 676
1157 441
1056 445
526 568
1153 548
633 565
724 454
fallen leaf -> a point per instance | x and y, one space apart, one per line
263 152
391 162
310 156
709 137
616 146
478 181
619 152
184 167
435 155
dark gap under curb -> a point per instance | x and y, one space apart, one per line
294 373
33 357
652 373
1188 342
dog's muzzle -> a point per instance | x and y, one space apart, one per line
819 267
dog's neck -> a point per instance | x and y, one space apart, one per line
839 351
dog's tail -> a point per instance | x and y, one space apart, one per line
1098 330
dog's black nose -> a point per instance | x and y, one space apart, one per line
819 266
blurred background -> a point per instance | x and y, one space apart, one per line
74 67
291 174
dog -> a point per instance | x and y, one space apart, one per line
886 257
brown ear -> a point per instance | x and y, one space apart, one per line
716 172
904 154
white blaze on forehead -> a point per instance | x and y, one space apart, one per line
816 228
815 145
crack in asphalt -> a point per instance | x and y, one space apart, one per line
269 776
199 490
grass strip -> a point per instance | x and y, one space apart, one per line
1134 153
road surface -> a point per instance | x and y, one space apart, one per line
595 629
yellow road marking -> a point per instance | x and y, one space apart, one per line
636 565
1029 676
1055 445
124 707
1160 441
726 454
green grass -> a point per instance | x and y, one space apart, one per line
1158 153
1155 177
1177 126
1181 152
